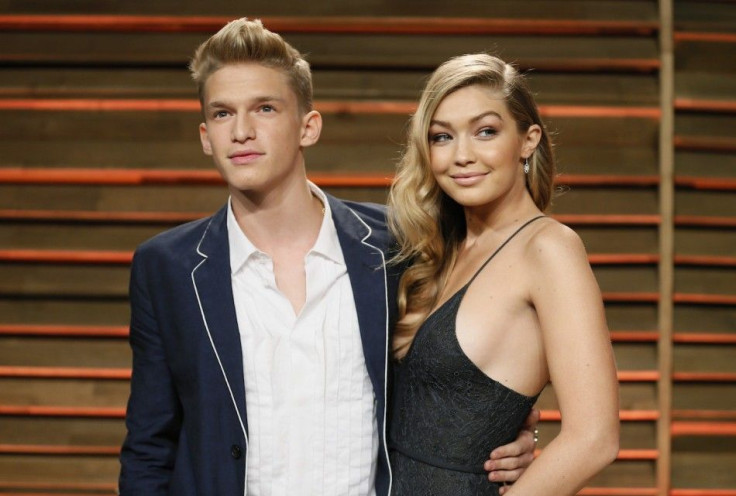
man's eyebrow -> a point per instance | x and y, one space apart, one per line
254 101
267 98
216 104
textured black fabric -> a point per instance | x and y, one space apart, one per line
447 414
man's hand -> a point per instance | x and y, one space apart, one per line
508 462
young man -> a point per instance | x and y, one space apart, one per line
260 335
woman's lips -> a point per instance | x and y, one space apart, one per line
468 179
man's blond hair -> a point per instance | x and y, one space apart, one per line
243 41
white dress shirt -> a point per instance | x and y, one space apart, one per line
309 400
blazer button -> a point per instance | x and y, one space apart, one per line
236 451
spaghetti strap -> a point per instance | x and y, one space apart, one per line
500 247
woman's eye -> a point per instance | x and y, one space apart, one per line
486 132
439 137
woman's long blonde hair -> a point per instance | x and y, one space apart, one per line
428 224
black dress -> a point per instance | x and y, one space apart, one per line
447 414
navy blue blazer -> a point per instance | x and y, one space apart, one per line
186 419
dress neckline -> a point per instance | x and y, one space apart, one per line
454 300
483 266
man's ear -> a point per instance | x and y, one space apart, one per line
311 128
204 137
531 140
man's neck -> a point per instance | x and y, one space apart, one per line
286 230
293 219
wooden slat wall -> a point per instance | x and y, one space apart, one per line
704 411
666 245
99 151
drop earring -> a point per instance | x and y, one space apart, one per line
526 166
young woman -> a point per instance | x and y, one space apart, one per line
499 299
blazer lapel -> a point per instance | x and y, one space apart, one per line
212 284
365 261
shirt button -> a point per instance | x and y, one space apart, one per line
236 451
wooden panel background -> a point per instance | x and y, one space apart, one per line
99 151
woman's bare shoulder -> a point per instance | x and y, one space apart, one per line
555 244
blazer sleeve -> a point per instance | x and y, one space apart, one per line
154 414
